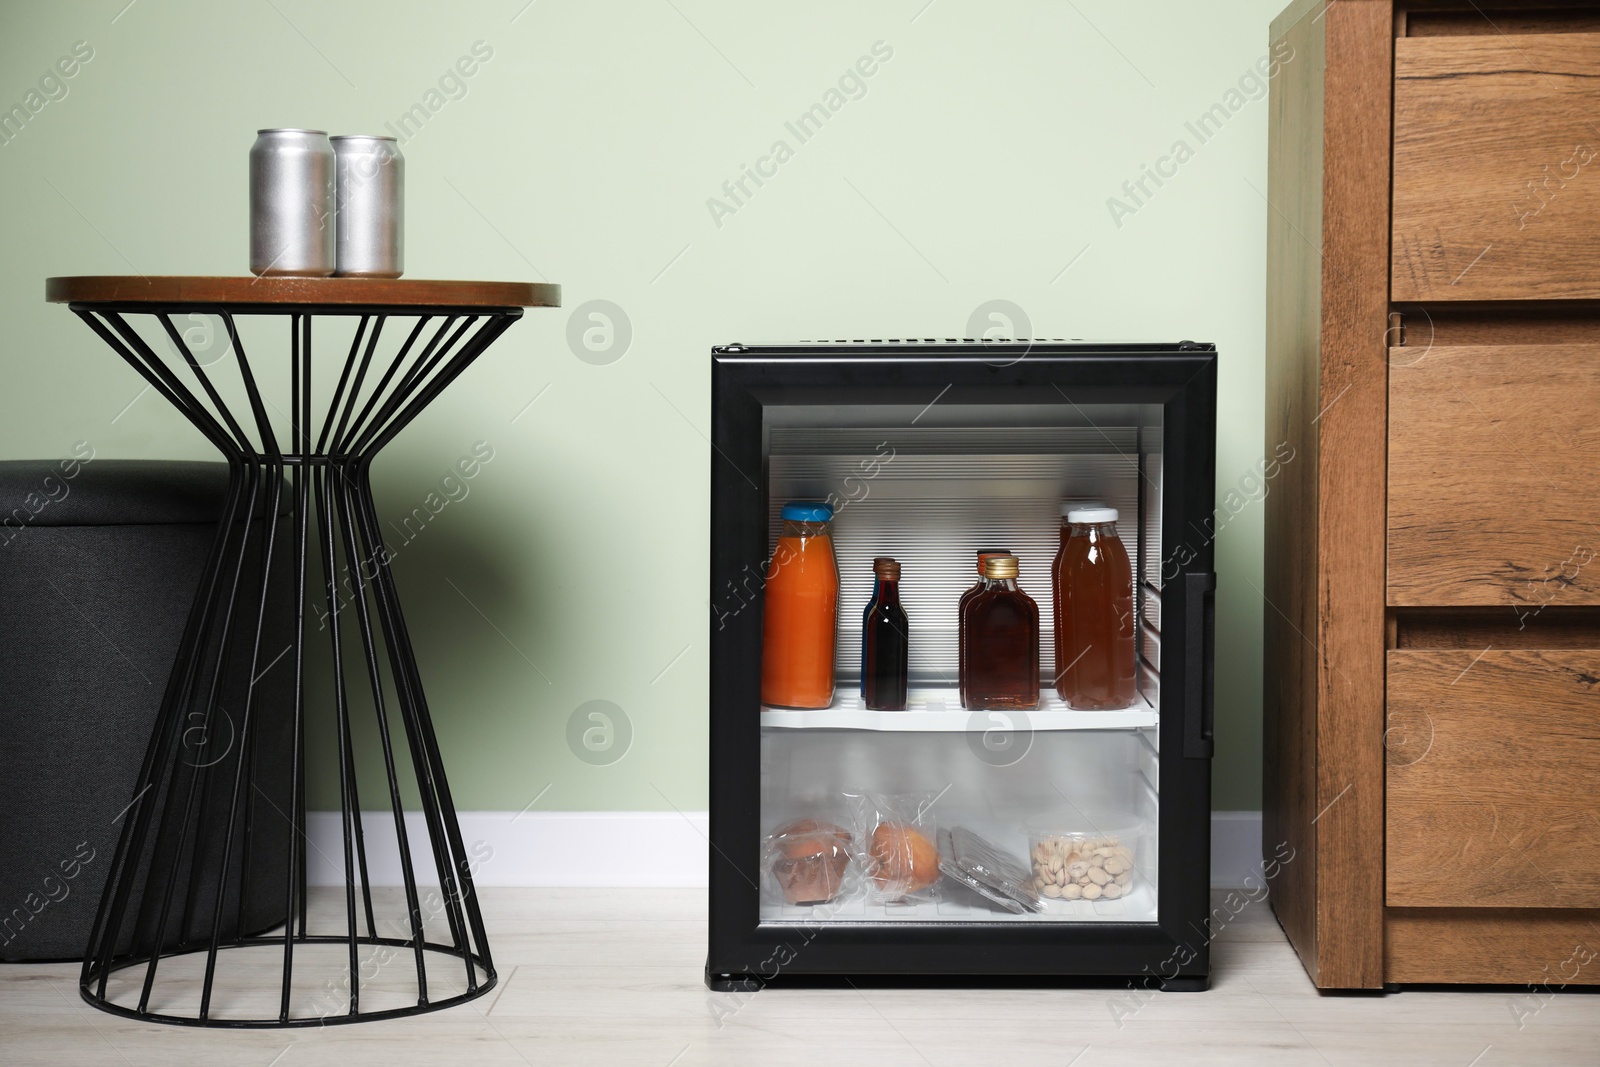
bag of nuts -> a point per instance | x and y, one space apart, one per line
1083 865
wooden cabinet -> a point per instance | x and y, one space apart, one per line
1432 687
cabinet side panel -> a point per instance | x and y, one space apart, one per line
1294 311
1352 431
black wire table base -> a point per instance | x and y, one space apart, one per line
323 1013
299 558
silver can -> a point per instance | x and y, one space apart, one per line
292 228
372 204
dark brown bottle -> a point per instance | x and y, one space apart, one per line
1001 639
961 619
886 642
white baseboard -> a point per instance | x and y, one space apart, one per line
1235 849
651 849
647 849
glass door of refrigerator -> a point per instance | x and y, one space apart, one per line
938 813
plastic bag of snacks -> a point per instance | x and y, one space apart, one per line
807 860
895 844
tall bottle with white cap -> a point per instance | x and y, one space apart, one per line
1092 583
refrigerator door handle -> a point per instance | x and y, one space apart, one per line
1199 641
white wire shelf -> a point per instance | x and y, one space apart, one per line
939 710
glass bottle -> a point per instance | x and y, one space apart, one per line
1062 623
1094 613
1001 636
800 622
886 641
961 619
866 611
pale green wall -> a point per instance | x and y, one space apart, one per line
584 153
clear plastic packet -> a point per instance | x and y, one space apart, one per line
1084 856
985 869
806 861
896 844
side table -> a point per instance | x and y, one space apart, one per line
157 940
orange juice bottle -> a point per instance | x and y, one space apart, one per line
801 618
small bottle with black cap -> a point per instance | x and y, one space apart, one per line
886 642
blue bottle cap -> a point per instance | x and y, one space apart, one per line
807 511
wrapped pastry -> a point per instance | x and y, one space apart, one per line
808 858
904 861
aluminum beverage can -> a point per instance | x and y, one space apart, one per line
371 206
292 228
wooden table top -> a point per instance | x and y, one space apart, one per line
366 292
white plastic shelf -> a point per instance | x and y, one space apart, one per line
939 710
958 905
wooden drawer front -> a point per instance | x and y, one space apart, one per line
1496 167
1494 476
1480 945
1493 779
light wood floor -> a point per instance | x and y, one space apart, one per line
613 977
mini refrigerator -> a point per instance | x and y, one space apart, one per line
928 450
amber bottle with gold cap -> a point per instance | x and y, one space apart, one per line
961 618
885 641
1000 636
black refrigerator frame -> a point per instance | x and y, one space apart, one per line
746 953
